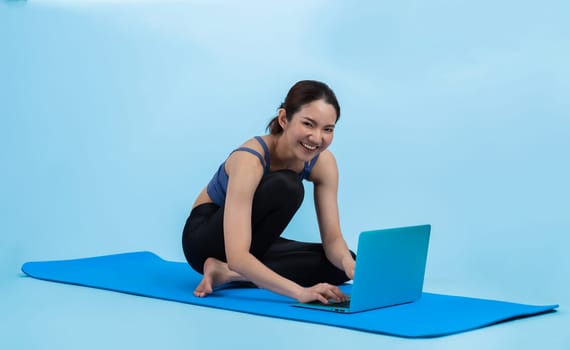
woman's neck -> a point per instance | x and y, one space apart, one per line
282 157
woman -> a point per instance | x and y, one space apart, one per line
233 232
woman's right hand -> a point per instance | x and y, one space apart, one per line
322 292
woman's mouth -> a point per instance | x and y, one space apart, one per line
309 147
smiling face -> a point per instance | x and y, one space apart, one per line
310 130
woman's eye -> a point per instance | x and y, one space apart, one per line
307 123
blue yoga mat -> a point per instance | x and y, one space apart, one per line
146 274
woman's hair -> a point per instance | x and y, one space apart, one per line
302 93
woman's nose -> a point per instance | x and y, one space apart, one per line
315 136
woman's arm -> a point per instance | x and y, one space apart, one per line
325 178
245 173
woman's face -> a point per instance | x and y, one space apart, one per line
310 130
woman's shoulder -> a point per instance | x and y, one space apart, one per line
252 153
327 157
256 143
324 166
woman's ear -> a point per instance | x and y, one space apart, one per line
282 118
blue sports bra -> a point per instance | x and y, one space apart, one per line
218 185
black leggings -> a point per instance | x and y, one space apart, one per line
275 201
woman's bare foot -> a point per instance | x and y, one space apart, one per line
216 273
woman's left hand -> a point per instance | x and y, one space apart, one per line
348 265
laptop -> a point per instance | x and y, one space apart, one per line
390 269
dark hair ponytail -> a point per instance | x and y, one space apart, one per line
302 93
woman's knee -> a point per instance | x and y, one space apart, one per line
284 185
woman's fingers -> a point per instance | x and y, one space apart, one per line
323 292
327 292
337 293
322 299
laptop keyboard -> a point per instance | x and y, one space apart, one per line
342 304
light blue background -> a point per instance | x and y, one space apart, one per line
114 115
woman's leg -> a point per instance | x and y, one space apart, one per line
203 251
275 202
199 238
303 263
